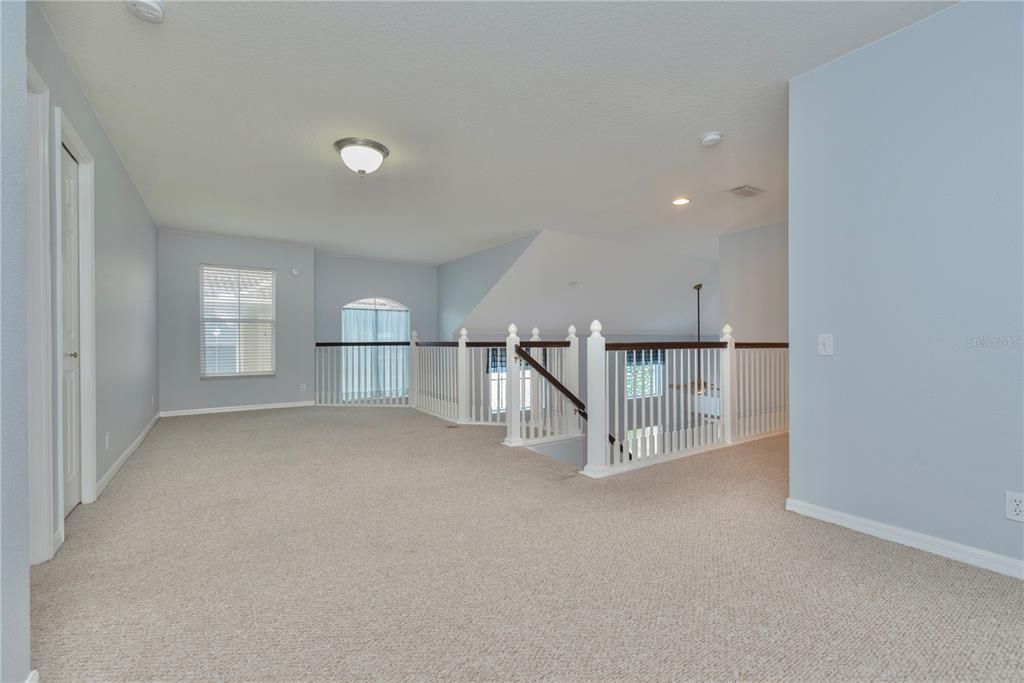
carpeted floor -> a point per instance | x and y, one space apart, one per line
339 544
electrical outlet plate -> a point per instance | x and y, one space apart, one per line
825 344
1015 506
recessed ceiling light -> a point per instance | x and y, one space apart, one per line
711 138
680 201
361 155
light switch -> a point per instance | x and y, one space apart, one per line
825 344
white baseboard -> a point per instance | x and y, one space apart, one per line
33 676
236 409
105 479
933 544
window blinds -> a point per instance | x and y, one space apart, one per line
237 328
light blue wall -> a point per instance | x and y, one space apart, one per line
463 283
126 343
341 280
754 277
905 241
14 582
181 254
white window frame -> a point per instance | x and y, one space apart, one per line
273 323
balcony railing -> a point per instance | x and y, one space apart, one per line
645 402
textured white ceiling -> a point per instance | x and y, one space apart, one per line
502 118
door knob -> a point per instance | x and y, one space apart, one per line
73 354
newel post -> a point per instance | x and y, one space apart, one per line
727 399
413 370
513 435
572 372
597 396
462 378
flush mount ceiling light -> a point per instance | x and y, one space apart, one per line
680 201
147 10
361 155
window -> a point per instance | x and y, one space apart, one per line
237 329
497 371
645 373
374 320
387 371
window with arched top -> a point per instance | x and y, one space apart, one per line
375 319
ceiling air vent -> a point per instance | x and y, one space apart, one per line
746 191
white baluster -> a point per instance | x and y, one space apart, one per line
512 396
414 369
727 393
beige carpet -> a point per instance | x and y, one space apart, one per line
341 544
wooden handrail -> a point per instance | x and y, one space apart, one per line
553 344
485 344
648 346
762 345
581 408
397 343
438 343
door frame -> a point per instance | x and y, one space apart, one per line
45 534
64 134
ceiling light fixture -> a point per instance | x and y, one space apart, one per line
710 139
147 10
361 155
680 201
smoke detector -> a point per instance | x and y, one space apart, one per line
746 191
710 139
147 10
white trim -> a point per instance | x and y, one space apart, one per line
42 483
102 484
933 544
236 409
609 470
758 437
33 676
64 134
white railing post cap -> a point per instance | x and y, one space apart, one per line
536 334
463 334
414 336
513 330
726 331
595 328
572 330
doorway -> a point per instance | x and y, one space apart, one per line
71 381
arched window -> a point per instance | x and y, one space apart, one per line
374 320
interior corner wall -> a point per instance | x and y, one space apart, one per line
464 282
181 255
14 511
340 280
754 279
126 341
905 235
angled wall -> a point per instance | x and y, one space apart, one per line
464 282
905 242
634 287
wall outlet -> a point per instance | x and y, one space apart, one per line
1015 506
302 388
825 347
107 440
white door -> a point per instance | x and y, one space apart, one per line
69 317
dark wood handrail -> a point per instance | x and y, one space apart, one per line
445 344
762 345
485 344
581 408
553 344
397 343
648 346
